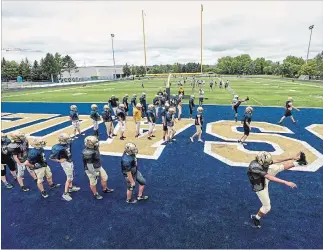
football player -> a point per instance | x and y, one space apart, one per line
143 103
198 125
160 92
173 102
114 103
137 113
264 169
163 115
235 105
151 120
133 100
6 161
62 153
19 147
201 97
121 115
125 103
179 106
246 124
226 84
93 167
288 110
191 105
170 121
211 85
156 102
36 160
96 118
74 117
107 118
129 168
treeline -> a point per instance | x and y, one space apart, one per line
49 68
291 67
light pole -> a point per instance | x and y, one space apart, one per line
114 62
201 39
309 44
144 35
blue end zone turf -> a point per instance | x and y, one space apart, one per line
196 201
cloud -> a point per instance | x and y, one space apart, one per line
269 29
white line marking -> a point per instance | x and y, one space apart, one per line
310 128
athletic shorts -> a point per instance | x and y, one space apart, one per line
41 173
7 160
236 107
151 126
76 124
191 110
95 125
68 168
123 127
164 128
93 177
198 128
246 130
288 113
137 177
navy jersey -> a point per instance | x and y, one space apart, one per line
191 102
125 101
256 174
128 164
5 153
91 156
198 115
113 102
94 115
121 114
143 101
133 101
169 119
62 151
156 101
36 157
236 102
20 149
107 115
173 102
164 112
151 116
246 118
74 115
288 104
162 101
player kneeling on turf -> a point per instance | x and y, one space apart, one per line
93 167
246 124
129 168
262 170
36 161
62 153
151 120
198 124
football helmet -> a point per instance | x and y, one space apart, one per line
91 142
131 149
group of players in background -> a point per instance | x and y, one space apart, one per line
17 156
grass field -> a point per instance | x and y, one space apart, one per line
261 91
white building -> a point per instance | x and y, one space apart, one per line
93 73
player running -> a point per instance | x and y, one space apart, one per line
235 105
129 168
262 170
246 124
288 110
198 125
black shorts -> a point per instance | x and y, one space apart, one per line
236 107
246 130
9 162
164 128
288 113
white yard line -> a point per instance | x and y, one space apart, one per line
256 101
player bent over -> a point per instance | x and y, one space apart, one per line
74 117
198 124
151 120
6 161
264 169
246 124
19 149
36 161
62 153
95 118
129 168
93 167
236 103
288 110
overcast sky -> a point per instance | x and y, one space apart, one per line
272 29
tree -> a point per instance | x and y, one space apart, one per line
126 70
59 65
35 71
25 69
69 65
11 70
133 70
141 71
309 68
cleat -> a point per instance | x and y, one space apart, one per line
142 198
173 139
73 189
121 138
153 136
236 120
239 141
200 140
44 194
67 197
54 186
256 222
108 190
24 189
149 138
192 140
114 135
131 201
8 185
98 197
302 159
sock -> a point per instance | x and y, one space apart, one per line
296 164
258 217
65 193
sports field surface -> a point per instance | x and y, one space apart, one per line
261 91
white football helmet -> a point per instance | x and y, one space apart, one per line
131 149
91 142
264 158
64 138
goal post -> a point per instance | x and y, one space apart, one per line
168 84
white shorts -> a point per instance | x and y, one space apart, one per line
76 124
263 195
115 111
123 127
151 126
68 168
137 126
95 125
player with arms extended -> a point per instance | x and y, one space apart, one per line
236 103
288 110
264 169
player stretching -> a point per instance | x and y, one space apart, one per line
129 168
93 167
246 124
262 170
198 124
62 153
288 110
74 117
236 103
